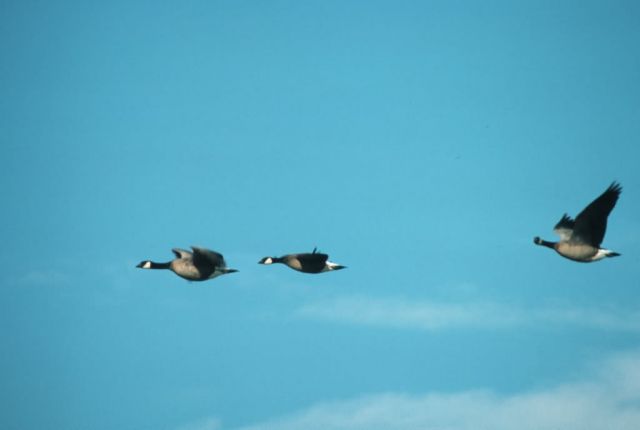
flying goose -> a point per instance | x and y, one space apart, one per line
314 262
199 265
580 239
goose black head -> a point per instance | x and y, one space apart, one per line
266 260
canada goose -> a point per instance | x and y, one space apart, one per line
199 265
580 239
314 262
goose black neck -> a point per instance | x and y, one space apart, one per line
154 265
543 242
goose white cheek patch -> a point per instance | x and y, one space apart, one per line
146 265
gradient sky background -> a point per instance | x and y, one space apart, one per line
421 143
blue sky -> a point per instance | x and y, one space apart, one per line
422 144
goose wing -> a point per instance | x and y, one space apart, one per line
564 228
314 261
181 253
591 224
207 258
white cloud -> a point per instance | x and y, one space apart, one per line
426 315
43 277
610 399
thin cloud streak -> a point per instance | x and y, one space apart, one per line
609 398
42 278
432 316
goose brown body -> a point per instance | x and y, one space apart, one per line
199 265
580 239
310 262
